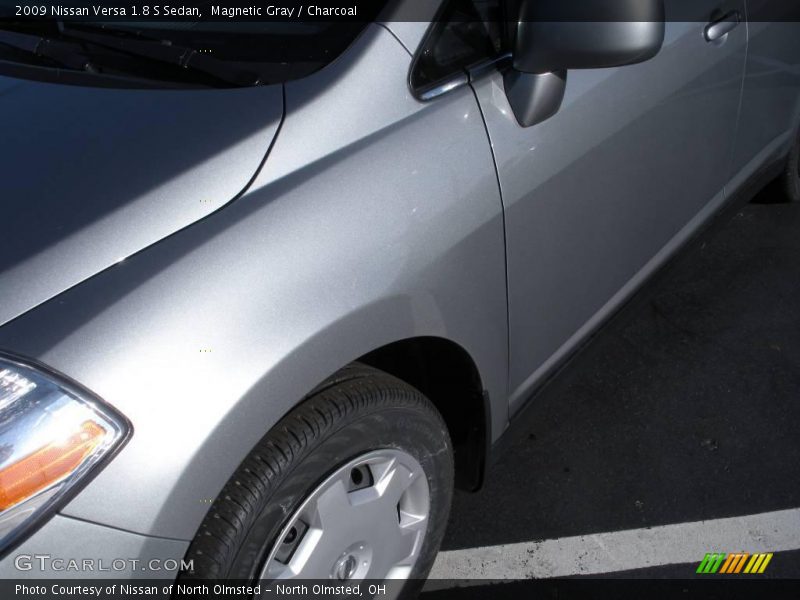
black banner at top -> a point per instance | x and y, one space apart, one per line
360 10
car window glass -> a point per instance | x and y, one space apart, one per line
467 32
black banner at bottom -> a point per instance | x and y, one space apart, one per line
556 589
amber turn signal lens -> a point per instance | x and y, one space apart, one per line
53 435
48 465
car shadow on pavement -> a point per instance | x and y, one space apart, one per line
685 407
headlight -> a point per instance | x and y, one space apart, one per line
53 436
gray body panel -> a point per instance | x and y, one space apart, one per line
770 102
594 193
66 539
124 168
362 238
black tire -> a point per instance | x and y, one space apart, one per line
790 180
358 410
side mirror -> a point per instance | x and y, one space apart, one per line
554 36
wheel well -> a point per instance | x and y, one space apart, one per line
446 374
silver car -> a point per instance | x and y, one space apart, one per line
270 291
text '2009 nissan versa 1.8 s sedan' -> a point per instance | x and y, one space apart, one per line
270 291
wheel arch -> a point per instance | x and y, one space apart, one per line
445 373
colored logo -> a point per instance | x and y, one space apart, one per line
740 562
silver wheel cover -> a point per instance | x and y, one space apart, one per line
367 520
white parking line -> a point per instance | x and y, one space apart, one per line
623 550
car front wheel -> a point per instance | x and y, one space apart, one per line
353 484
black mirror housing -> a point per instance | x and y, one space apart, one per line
552 37
558 35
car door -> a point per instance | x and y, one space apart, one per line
600 194
770 113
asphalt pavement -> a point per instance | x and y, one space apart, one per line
676 432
